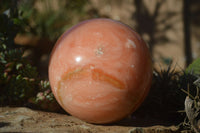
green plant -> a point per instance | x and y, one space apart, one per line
18 78
49 19
191 79
194 67
165 98
192 101
20 84
45 99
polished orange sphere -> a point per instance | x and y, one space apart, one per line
100 70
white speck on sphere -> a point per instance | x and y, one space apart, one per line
91 67
69 97
132 66
78 59
55 88
99 51
130 44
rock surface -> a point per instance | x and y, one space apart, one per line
26 120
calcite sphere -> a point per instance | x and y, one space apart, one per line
100 70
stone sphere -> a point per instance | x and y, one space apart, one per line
100 71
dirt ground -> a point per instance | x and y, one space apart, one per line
26 120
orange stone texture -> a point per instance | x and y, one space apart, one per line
100 71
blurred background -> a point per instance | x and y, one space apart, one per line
171 28
29 30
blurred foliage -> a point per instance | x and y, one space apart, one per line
192 102
45 99
43 18
192 76
194 68
19 80
166 98
149 23
4 5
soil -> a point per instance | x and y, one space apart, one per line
21 119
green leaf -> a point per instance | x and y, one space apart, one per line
17 21
19 65
194 68
18 77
